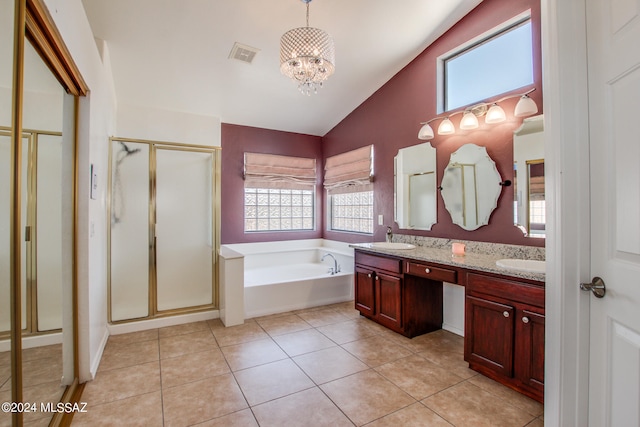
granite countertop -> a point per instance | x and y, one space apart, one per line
471 260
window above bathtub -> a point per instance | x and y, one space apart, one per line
347 181
279 193
496 62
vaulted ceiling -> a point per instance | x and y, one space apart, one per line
174 54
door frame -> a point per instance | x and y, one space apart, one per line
565 86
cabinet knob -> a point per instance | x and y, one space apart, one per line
377 278
505 313
427 270
369 275
525 319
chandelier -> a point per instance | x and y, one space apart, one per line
307 56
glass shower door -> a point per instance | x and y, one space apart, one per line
184 223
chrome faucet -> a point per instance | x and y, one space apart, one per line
336 268
389 235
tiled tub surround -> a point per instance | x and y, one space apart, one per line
325 366
480 256
287 275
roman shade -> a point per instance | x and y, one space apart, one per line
279 172
349 172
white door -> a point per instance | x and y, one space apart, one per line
613 39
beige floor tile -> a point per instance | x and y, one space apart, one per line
306 408
449 360
271 381
302 342
345 332
44 352
329 364
347 309
50 392
202 400
185 328
40 422
468 405
242 418
143 410
538 422
178 345
5 375
440 340
376 351
508 395
252 353
366 396
121 383
133 337
417 376
249 331
191 367
5 358
416 415
283 324
122 355
323 317
41 371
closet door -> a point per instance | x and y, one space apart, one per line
184 224
129 244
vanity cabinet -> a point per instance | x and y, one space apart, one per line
504 331
405 303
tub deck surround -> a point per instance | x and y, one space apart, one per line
286 275
479 256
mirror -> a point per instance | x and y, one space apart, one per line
415 187
471 186
528 168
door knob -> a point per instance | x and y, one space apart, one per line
596 286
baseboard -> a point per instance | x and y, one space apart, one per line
453 329
161 322
95 363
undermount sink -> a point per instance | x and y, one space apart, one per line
392 245
528 265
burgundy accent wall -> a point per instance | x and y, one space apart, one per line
390 119
235 141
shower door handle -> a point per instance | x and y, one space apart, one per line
27 233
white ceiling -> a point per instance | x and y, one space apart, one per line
173 54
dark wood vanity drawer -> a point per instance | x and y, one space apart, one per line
392 265
431 272
509 289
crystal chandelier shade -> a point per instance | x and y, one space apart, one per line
307 56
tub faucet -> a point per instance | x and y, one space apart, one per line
336 268
389 234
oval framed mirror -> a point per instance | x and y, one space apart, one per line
471 187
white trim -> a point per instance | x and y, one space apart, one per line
567 189
95 364
161 322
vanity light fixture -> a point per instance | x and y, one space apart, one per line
492 111
307 56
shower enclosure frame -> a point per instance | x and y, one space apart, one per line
153 311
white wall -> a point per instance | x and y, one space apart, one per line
97 123
136 122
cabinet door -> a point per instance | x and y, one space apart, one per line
389 300
530 349
489 330
365 291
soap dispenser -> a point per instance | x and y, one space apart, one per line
389 235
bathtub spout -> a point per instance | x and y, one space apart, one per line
336 268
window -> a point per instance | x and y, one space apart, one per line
277 209
347 180
352 212
279 193
498 62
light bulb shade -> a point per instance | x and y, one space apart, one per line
307 56
525 107
426 132
495 115
469 121
446 127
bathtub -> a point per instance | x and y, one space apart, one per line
290 275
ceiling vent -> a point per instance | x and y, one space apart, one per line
243 53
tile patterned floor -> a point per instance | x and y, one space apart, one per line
325 366
41 373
